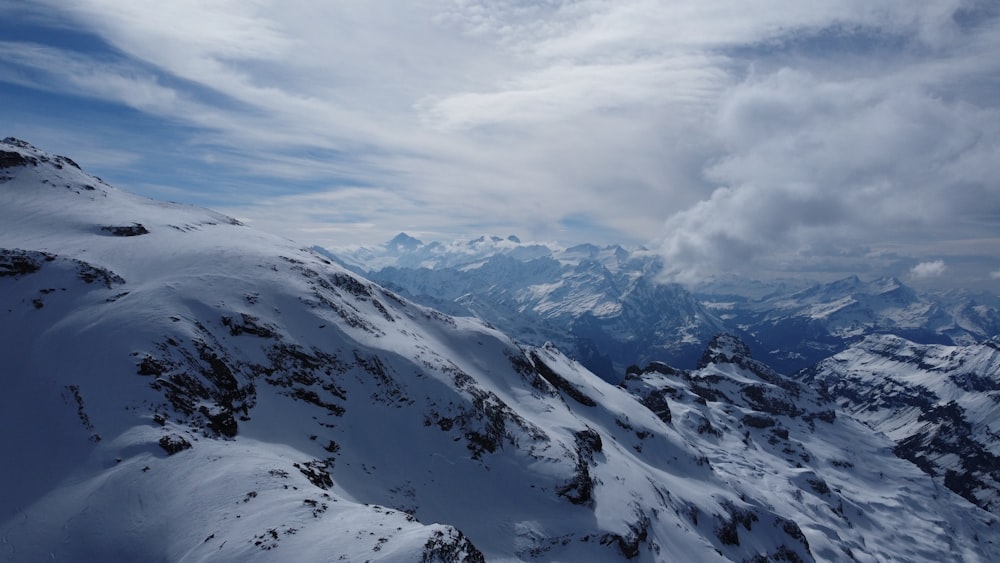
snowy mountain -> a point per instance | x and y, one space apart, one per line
607 307
180 387
939 404
603 306
794 329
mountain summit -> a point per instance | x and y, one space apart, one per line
178 386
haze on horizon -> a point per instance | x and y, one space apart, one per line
796 138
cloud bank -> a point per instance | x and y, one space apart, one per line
796 137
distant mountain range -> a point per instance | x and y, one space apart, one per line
795 329
608 307
177 386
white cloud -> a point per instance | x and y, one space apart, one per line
995 274
929 269
118 82
790 135
814 159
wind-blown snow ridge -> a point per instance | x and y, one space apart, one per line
186 388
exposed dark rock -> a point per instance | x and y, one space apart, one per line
173 443
656 401
729 349
705 426
708 392
819 486
204 386
783 553
948 432
150 366
15 262
90 273
82 413
248 324
316 471
560 383
524 367
791 528
579 490
728 530
352 285
763 399
724 349
133 230
10 159
630 543
221 421
451 548
311 397
389 391
758 420
827 416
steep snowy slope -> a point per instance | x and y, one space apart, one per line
179 387
784 444
939 404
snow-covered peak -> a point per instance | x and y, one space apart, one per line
793 329
726 348
405 251
403 242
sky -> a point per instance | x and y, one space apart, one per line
773 138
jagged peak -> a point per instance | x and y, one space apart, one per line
13 141
585 248
403 241
634 371
852 280
725 348
883 340
27 154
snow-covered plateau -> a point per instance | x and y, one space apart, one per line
179 387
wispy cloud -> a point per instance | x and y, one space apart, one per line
792 135
59 70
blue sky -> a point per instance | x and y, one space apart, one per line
799 137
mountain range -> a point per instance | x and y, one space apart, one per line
609 306
178 386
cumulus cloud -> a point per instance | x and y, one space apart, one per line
929 269
826 159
